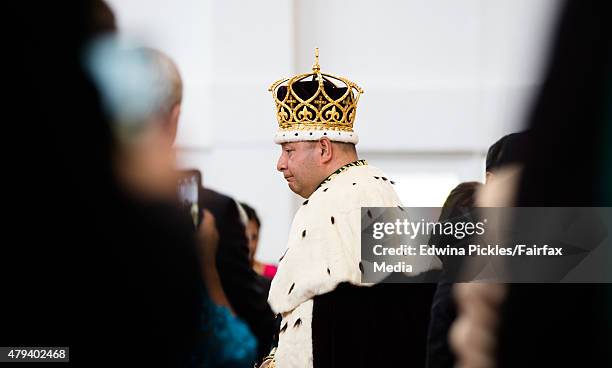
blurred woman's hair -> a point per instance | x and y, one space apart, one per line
251 213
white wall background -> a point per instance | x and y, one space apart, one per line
443 80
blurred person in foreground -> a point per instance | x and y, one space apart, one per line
561 325
226 340
328 319
244 289
97 265
457 208
241 287
502 168
252 229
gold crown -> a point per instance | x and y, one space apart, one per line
308 110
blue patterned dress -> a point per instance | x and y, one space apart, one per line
225 340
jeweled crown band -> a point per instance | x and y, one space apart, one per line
285 136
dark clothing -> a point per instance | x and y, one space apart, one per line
566 325
115 281
246 290
556 325
570 122
83 265
444 309
146 288
443 314
379 326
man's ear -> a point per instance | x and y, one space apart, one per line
173 119
326 150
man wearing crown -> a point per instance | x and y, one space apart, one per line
328 318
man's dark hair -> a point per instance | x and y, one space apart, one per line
509 149
102 18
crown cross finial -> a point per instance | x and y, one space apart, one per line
316 67
291 102
320 101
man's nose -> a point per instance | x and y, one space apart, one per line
281 164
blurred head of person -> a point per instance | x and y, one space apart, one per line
507 151
252 230
504 164
457 208
463 196
141 90
169 83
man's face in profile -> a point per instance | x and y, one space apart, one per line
299 165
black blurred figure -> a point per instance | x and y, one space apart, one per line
567 325
85 265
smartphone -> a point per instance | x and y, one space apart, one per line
190 182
